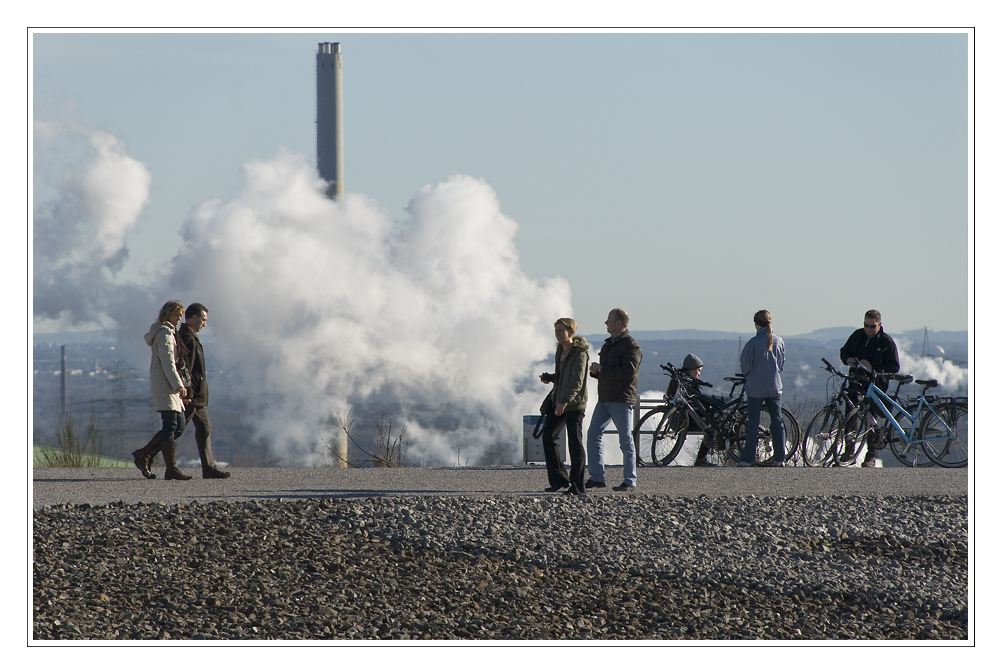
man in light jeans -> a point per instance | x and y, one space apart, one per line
617 376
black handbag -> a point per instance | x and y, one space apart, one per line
547 407
549 404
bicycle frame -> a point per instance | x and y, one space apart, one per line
697 412
877 397
681 401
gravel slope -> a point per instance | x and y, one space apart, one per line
480 554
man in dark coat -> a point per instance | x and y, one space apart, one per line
870 348
617 392
196 405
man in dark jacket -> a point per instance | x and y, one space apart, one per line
196 406
617 391
870 348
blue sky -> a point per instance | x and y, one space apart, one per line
690 178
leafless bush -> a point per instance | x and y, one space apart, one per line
386 451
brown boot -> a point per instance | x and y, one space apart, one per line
142 457
151 455
170 458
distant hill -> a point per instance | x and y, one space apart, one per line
683 334
807 385
76 337
838 334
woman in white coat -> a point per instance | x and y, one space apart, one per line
166 382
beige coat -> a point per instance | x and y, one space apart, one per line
164 381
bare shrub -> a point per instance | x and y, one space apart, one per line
386 451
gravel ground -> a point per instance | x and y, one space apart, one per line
105 486
480 554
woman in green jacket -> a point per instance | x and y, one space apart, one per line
568 406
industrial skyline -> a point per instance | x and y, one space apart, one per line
699 148
498 182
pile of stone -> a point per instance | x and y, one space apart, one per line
550 567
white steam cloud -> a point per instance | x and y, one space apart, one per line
321 306
80 230
951 377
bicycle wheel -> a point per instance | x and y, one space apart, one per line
660 435
792 434
858 428
691 444
910 454
765 448
671 436
953 452
819 444
645 436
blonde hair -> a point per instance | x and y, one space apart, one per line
169 308
763 319
567 323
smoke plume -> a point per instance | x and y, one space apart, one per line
85 209
952 378
320 306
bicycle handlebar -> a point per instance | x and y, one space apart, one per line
671 370
891 376
830 368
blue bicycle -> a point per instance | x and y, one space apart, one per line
936 431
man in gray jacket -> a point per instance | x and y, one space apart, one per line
617 391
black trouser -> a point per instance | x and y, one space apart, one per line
573 420
202 433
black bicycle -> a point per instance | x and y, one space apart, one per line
686 420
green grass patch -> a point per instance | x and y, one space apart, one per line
76 449
47 457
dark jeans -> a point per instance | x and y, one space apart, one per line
754 406
173 426
573 420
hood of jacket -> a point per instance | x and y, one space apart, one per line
153 330
578 343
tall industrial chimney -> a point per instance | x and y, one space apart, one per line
330 117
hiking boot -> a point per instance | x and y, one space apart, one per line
170 458
213 473
142 457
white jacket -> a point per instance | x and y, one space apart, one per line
164 381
